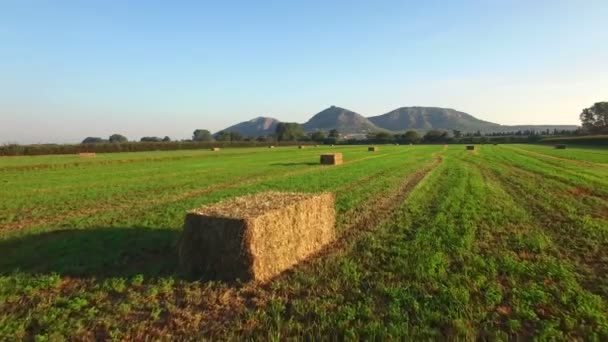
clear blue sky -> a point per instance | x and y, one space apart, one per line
70 69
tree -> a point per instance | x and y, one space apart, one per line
202 135
288 131
411 137
435 136
166 139
381 137
236 136
150 139
595 118
317 136
334 133
457 134
117 138
222 136
93 140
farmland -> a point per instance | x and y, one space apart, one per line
507 241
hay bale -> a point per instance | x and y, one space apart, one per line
301 147
215 149
372 148
560 146
87 155
470 147
271 146
256 237
331 159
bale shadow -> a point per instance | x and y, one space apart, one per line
94 252
295 164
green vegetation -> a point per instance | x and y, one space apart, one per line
589 140
504 242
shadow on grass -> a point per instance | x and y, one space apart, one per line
294 164
94 252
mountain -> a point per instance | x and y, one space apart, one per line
254 127
398 120
426 118
344 120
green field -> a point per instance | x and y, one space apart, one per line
504 242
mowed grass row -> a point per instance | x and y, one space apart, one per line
476 252
85 190
573 152
494 244
114 272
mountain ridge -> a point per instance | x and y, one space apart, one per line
402 119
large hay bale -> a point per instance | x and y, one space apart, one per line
256 237
331 159
470 147
560 146
215 149
372 148
87 155
301 147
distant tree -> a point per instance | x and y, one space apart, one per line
222 136
334 133
261 138
435 136
202 135
457 134
411 137
236 136
382 137
93 140
166 139
289 131
117 138
317 136
595 118
150 139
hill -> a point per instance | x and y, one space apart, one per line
254 127
426 118
343 120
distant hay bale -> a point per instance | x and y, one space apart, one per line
331 159
87 155
470 147
215 149
301 147
332 145
316 145
372 148
271 146
560 146
256 237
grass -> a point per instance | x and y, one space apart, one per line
504 242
